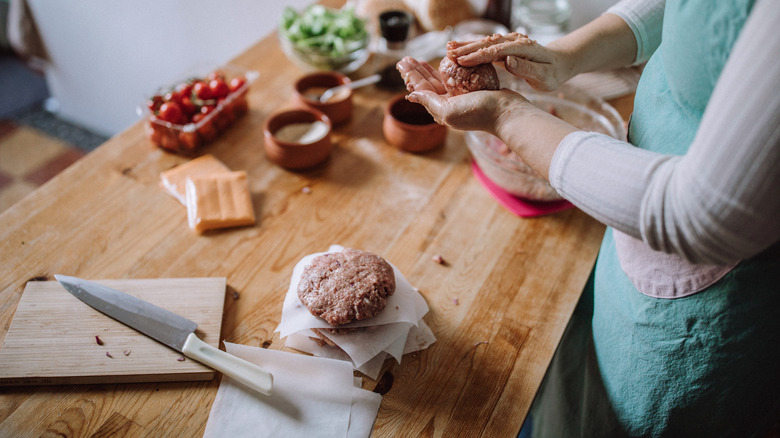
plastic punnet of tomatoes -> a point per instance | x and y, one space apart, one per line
196 110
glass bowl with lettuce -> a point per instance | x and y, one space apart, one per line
322 38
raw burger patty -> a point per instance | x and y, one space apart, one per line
461 80
345 286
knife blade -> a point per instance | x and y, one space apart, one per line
168 328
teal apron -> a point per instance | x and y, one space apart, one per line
705 363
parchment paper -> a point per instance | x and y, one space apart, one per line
312 397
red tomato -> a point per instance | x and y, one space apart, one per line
171 112
201 90
172 96
205 109
190 140
184 89
154 103
236 83
187 106
216 75
219 88
207 131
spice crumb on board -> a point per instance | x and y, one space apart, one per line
126 352
97 339
455 301
109 355
438 259
235 294
306 190
180 358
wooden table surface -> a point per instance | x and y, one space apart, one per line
497 307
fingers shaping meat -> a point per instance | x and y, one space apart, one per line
461 80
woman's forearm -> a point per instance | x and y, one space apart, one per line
532 133
604 43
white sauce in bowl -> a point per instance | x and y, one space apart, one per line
303 133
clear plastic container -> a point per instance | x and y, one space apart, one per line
508 171
186 138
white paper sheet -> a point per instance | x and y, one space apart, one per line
419 337
312 397
304 343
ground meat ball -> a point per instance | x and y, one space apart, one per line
345 286
461 80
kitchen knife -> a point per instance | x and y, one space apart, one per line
168 328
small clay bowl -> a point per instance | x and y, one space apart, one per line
309 88
298 139
408 126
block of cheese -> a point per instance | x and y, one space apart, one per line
219 200
174 180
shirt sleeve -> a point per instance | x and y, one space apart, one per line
645 18
718 203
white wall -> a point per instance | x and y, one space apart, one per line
108 55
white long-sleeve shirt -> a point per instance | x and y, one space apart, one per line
718 203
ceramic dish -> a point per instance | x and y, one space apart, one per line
308 89
408 126
298 139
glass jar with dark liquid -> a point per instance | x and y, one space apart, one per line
394 26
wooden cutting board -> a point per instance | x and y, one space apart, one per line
52 336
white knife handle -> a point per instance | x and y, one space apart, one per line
236 368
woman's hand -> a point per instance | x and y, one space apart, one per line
475 111
543 68
530 132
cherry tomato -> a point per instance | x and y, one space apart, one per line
190 140
219 88
207 131
201 90
154 103
171 112
215 75
184 89
187 106
172 96
236 83
205 109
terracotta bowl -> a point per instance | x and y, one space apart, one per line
408 126
291 144
309 88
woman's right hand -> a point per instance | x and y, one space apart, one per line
543 68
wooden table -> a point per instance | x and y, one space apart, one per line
498 306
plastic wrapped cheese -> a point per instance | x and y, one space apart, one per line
219 200
174 180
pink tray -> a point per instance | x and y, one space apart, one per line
518 206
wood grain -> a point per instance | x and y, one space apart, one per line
498 305
53 336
